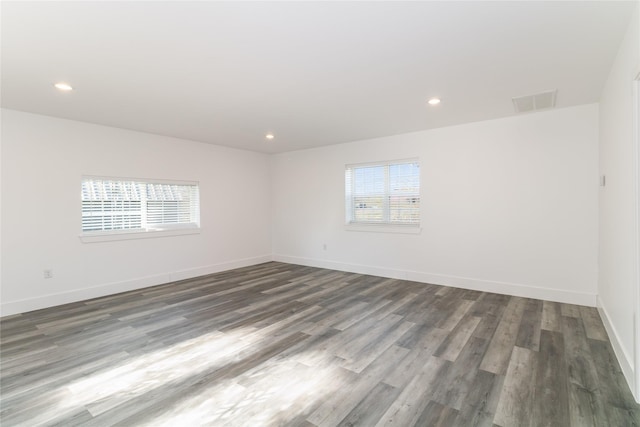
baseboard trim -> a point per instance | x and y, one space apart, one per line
52 300
514 289
624 359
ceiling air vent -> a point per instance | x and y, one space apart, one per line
535 102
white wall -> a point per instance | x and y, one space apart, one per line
618 256
43 159
508 205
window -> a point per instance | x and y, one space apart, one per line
383 193
115 205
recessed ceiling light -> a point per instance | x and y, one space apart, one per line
63 86
269 136
434 101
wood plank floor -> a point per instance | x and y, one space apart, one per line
280 344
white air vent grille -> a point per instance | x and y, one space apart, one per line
535 102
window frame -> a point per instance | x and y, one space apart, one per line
150 230
386 225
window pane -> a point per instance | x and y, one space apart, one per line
368 208
369 180
404 178
112 205
404 187
387 193
169 204
404 209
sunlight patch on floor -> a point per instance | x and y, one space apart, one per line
271 395
105 390
199 375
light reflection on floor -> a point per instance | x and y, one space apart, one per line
280 392
258 396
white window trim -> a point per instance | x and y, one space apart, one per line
385 227
636 167
131 235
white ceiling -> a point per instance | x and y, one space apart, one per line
313 73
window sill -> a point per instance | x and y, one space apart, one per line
131 235
384 228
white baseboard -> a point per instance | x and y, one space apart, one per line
515 289
549 294
624 359
51 300
21 306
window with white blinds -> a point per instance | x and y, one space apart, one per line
383 193
113 205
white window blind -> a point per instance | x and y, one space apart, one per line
112 205
383 193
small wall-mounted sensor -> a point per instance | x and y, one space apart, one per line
603 180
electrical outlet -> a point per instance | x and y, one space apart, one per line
324 246
48 274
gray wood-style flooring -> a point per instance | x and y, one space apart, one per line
280 344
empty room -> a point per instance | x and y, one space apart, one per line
368 213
